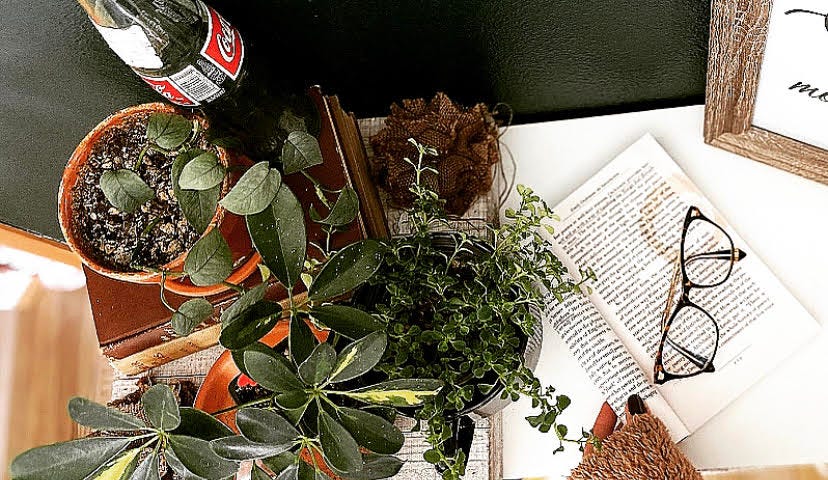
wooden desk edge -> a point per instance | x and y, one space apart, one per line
29 242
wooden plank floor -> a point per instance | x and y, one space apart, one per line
48 354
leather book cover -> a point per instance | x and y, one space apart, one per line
133 326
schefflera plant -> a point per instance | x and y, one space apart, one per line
314 424
321 418
128 447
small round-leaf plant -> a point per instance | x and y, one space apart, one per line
461 313
275 222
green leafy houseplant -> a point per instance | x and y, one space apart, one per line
460 310
274 217
321 416
299 431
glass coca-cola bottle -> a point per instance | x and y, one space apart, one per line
195 58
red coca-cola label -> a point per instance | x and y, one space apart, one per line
224 46
170 91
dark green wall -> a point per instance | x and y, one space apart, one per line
548 59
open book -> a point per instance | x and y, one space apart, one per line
626 223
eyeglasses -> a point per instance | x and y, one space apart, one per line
690 335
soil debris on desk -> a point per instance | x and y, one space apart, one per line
120 240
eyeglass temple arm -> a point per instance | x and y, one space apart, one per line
697 360
674 282
718 255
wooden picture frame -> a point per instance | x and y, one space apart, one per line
738 34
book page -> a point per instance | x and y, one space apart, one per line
626 224
603 356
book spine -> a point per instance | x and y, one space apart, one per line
356 160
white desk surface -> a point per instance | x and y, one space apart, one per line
784 418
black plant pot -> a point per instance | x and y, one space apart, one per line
481 406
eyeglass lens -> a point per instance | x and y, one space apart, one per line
691 342
708 254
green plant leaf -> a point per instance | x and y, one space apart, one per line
190 315
309 472
238 355
244 303
302 471
177 467
398 393
291 122
168 131
198 458
265 272
198 424
266 426
301 339
295 415
230 143
371 431
431 456
376 467
161 408
359 357
209 261
345 209
258 474
346 270
251 326
147 469
338 446
122 468
291 401
280 462
278 233
319 364
348 321
290 473
199 206
202 172
238 448
273 373
388 413
301 151
254 191
74 460
125 190
100 417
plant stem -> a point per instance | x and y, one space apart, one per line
163 291
234 287
320 190
141 158
138 244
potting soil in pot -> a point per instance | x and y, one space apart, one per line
119 240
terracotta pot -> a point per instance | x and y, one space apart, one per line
67 214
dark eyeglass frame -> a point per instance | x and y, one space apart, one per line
661 376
